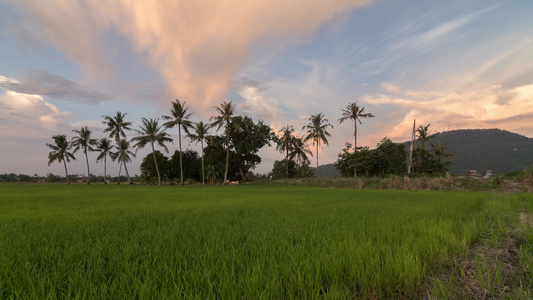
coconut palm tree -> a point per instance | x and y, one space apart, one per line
104 146
441 150
424 134
180 117
84 141
201 131
317 132
123 155
60 152
116 126
151 132
355 113
226 112
285 144
300 150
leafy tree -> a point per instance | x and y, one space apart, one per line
425 162
60 152
226 112
279 169
212 173
317 132
151 132
123 154
84 141
423 134
104 146
116 126
441 150
191 165
200 134
392 156
248 138
149 172
285 143
179 117
355 113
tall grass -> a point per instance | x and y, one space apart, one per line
231 242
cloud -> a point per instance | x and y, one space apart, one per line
46 84
30 116
486 107
197 45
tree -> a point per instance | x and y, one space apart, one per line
226 112
355 113
60 152
300 151
285 144
248 138
123 155
441 150
317 132
148 167
424 134
191 165
425 162
200 133
279 169
116 127
179 116
151 132
103 146
84 141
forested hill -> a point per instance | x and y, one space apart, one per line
487 149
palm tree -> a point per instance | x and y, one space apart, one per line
441 150
300 150
200 134
355 113
103 146
123 155
179 116
316 131
424 134
116 127
84 141
60 152
151 132
285 144
225 111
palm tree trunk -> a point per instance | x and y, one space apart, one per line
88 171
105 171
355 147
119 170
181 161
317 158
127 174
203 176
287 164
227 155
66 172
155 161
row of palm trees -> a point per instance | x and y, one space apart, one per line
153 133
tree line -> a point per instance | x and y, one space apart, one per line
232 155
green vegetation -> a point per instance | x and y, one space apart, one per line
250 242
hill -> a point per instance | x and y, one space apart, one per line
328 170
487 149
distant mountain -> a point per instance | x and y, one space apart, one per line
328 170
486 149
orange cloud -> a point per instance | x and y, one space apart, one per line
197 45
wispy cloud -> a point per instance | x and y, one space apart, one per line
50 85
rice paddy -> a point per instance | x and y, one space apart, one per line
239 241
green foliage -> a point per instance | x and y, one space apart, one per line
387 159
148 170
192 165
251 242
279 169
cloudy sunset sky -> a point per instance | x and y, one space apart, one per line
455 64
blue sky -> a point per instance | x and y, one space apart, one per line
454 64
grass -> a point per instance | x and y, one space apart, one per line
123 241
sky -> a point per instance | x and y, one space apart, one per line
452 64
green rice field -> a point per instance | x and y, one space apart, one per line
242 242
